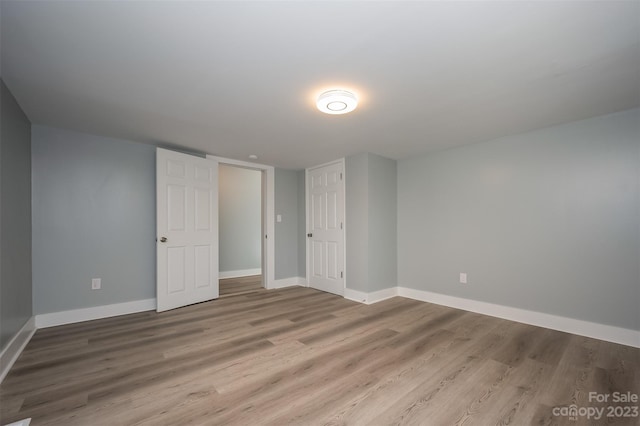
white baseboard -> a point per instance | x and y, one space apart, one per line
384 294
355 295
369 298
239 273
24 422
97 312
569 325
15 347
288 282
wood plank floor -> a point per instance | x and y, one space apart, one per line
229 286
300 356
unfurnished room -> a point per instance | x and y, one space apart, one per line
319 212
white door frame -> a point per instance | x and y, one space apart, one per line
268 219
344 215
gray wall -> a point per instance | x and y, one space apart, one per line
287 196
94 216
356 177
547 221
15 217
371 222
383 221
240 218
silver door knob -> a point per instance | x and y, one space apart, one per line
163 239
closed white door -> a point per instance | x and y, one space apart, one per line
187 224
325 189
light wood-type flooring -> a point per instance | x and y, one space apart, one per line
301 356
234 286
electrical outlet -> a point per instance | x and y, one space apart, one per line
96 284
463 278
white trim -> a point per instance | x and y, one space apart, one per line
24 422
306 224
240 273
288 282
569 325
239 163
380 295
594 330
370 298
96 312
12 351
355 295
269 219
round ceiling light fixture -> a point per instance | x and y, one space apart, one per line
337 102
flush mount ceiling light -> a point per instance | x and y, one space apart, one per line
337 102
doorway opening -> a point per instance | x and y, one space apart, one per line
267 217
240 223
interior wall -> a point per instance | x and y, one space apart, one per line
240 218
547 221
356 177
382 223
371 222
94 216
15 217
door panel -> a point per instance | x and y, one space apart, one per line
202 266
332 221
176 201
203 209
332 260
176 269
318 216
187 224
318 258
326 219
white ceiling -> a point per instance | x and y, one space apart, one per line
239 78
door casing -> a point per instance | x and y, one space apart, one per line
268 215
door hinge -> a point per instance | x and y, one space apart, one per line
340 175
340 225
265 236
341 274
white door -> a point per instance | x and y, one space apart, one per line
187 224
325 186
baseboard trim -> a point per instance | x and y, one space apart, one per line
569 325
384 294
15 347
87 314
369 298
239 273
23 422
355 295
288 282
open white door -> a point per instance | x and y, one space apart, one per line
187 224
325 261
